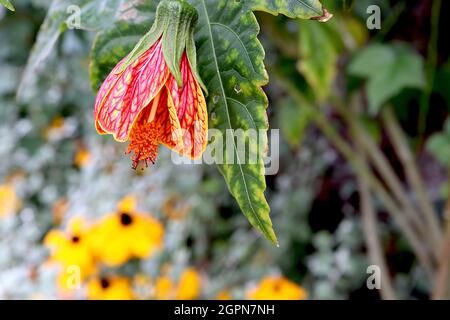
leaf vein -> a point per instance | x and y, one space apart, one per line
228 116
240 41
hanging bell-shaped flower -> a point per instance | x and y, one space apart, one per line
154 95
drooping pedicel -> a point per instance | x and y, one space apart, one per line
154 95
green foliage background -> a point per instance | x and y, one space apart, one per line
49 71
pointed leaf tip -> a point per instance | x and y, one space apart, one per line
7 4
323 18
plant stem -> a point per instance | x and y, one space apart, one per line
442 277
381 163
369 224
431 63
341 145
377 187
400 143
370 227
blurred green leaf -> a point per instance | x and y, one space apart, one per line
439 145
357 31
51 29
441 82
304 9
101 14
388 69
318 56
7 4
348 4
293 121
61 15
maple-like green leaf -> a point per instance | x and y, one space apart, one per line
231 63
388 69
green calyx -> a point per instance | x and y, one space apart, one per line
175 23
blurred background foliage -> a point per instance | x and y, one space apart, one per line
55 167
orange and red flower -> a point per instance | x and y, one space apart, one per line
141 101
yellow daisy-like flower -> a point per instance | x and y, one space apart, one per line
189 285
70 279
126 234
277 288
164 288
9 202
71 249
187 288
110 288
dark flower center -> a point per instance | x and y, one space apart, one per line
104 283
277 287
75 239
126 219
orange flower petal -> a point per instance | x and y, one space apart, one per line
104 91
123 96
169 126
191 110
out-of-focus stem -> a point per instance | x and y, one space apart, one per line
370 226
430 66
379 160
342 146
374 248
442 278
400 144
377 187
